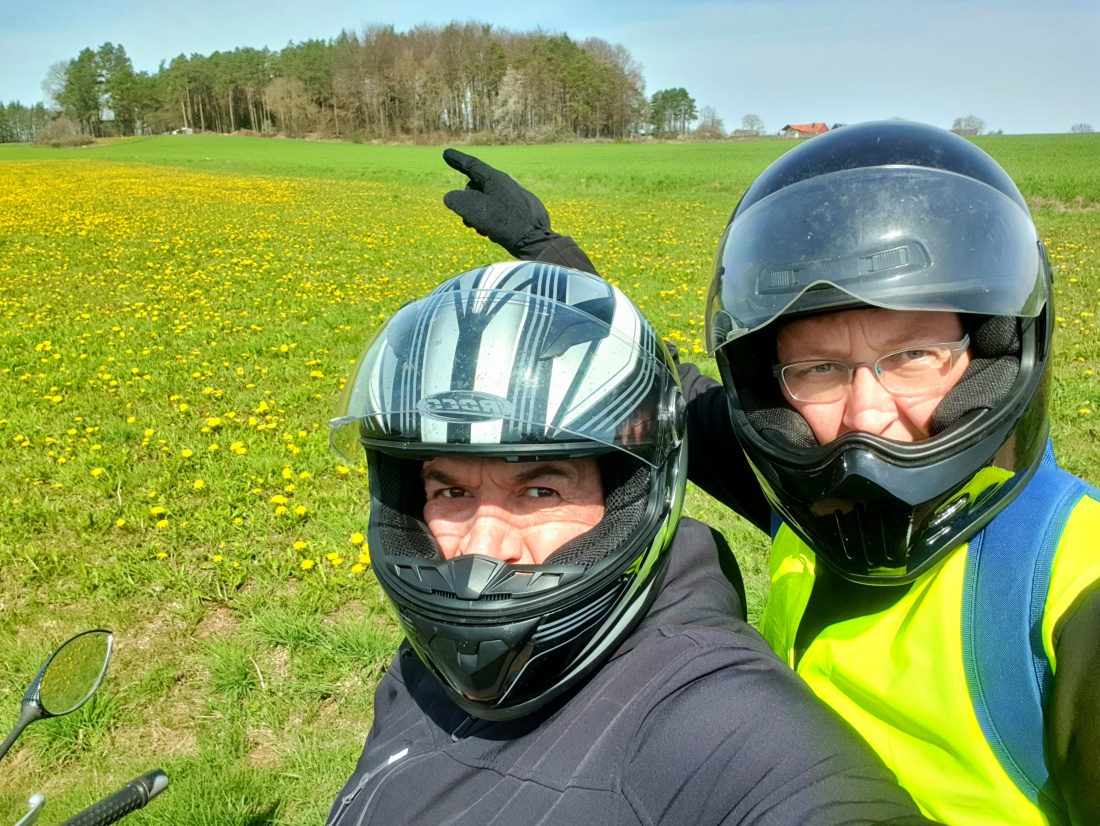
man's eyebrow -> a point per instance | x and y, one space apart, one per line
553 471
893 340
436 475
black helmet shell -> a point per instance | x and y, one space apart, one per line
906 217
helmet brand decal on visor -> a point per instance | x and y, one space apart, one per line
466 406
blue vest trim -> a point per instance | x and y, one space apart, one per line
1008 570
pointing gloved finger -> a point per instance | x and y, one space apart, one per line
477 171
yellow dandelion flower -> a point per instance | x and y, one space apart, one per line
198 484
162 523
300 510
306 564
186 454
157 510
357 538
120 522
97 471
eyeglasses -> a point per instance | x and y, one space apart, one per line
907 372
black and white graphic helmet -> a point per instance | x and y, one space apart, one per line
901 216
525 362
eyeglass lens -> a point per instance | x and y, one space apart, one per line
905 372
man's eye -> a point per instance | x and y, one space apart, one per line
540 493
817 370
906 358
451 493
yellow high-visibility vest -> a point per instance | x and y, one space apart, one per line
898 677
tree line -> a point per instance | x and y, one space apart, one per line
377 83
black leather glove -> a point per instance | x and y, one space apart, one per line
497 207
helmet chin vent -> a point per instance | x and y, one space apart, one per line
483 598
864 538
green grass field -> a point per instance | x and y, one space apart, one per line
178 314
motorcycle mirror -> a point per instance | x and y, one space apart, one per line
65 682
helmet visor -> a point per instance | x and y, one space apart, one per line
497 373
901 238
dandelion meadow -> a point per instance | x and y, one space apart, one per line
178 314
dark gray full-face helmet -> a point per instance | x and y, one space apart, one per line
900 216
522 361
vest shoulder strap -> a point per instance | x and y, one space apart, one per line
1008 572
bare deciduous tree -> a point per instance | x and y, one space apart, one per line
710 126
1080 127
286 98
54 84
968 125
753 124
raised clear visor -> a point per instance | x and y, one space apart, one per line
509 372
902 238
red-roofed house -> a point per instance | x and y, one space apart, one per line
803 130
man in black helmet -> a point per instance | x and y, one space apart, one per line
881 317
572 655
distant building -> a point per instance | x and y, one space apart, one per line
803 130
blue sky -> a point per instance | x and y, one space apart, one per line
1021 65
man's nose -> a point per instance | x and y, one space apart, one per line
869 406
491 534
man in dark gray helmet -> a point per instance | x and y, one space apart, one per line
573 651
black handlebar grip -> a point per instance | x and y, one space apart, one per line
129 798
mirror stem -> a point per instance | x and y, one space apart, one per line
27 715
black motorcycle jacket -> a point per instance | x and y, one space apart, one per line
692 721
